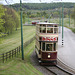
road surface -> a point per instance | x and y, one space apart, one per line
67 52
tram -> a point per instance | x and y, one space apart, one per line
46 42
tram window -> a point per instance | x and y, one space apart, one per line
43 46
40 44
42 30
54 46
48 47
55 26
49 30
55 30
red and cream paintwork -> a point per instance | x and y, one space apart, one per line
48 55
47 38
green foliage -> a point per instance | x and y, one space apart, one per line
73 30
73 15
2 21
44 13
12 20
2 10
38 14
0 40
16 18
18 66
13 40
42 6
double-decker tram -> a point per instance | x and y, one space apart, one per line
46 42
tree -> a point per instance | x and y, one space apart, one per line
73 15
2 10
2 21
16 17
12 20
44 13
28 13
9 23
38 14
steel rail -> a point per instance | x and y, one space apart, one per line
64 70
60 68
50 70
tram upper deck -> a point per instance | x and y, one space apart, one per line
47 29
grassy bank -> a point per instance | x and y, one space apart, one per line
14 40
19 67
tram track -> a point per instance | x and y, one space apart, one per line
48 70
57 70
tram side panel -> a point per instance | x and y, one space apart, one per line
46 50
49 56
37 49
46 55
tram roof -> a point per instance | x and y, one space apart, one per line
46 23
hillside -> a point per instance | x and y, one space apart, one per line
42 6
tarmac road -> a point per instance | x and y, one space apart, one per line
67 53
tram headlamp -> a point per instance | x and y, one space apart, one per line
49 56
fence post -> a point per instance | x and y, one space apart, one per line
3 57
12 53
9 54
6 56
19 49
15 52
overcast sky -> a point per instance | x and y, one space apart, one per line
35 1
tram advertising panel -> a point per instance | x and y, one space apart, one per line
49 39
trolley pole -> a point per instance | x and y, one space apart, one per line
21 30
62 21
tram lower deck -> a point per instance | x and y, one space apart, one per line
47 52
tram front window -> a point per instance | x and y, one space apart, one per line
43 46
48 47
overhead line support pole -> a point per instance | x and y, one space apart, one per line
59 20
69 17
21 30
62 21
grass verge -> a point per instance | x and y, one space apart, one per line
18 66
13 40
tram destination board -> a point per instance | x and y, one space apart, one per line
49 39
